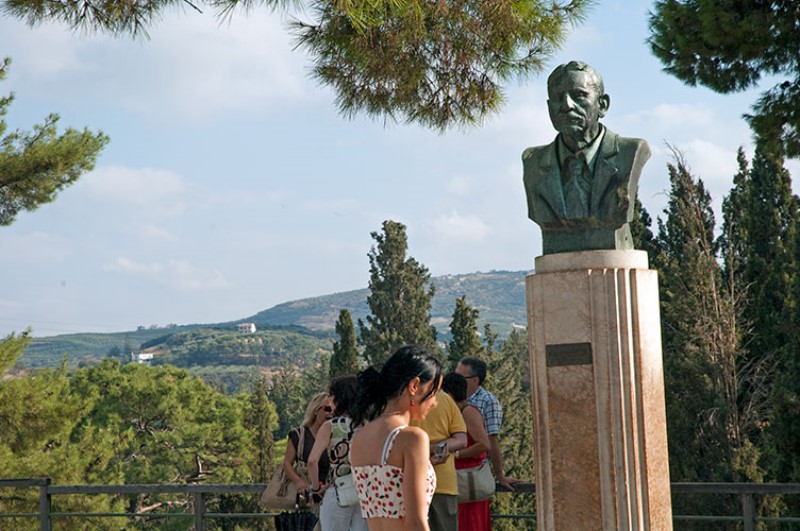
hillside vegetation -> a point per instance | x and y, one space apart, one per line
293 332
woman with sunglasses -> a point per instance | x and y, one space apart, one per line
333 440
394 477
319 410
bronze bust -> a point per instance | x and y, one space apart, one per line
581 188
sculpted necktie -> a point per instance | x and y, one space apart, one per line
577 185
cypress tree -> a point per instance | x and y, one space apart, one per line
507 373
345 351
464 329
769 274
702 348
260 421
400 298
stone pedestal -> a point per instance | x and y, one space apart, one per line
598 393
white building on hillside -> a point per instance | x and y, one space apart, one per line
142 357
246 328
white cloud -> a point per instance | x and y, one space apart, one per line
205 67
456 228
34 248
47 51
179 275
459 186
711 162
183 276
673 116
125 265
137 186
190 68
154 232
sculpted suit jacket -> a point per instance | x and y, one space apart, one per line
613 193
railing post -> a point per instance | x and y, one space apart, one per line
199 512
749 511
44 506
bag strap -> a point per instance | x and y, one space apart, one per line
301 442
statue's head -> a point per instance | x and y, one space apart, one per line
576 101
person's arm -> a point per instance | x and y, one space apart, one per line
320 445
415 446
476 430
456 428
493 417
288 462
496 457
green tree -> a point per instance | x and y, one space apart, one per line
439 64
642 235
728 47
11 348
490 340
171 426
400 298
289 393
261 420
36 165
345 351
715 394
464 329
769 272
508 368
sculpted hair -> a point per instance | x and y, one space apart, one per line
476 366
376 388
578 66
455 385
311 410
344 391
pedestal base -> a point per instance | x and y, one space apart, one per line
598 393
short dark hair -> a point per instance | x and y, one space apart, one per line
476 366
344 390
455 385
578 66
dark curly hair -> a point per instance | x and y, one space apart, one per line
344 391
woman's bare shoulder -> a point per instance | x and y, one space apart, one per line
413 436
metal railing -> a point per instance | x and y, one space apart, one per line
201 493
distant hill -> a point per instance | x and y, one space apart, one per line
498 295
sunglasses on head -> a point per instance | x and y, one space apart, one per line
326 409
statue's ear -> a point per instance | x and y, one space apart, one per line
605 103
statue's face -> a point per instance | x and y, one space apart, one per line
576 106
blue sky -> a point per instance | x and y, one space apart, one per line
231 184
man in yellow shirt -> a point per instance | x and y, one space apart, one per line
447 431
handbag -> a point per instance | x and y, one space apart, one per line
281 492
346 495
475 484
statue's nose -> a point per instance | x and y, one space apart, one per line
567 102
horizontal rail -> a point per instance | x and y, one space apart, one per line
168 488
735 488
746 490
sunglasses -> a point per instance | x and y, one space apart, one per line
326 409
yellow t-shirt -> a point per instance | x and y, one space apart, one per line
441 422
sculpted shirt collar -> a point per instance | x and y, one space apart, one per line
589 151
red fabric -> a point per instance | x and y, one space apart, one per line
473 516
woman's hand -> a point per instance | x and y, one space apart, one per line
301 484
317 495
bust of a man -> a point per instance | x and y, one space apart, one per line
581 188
